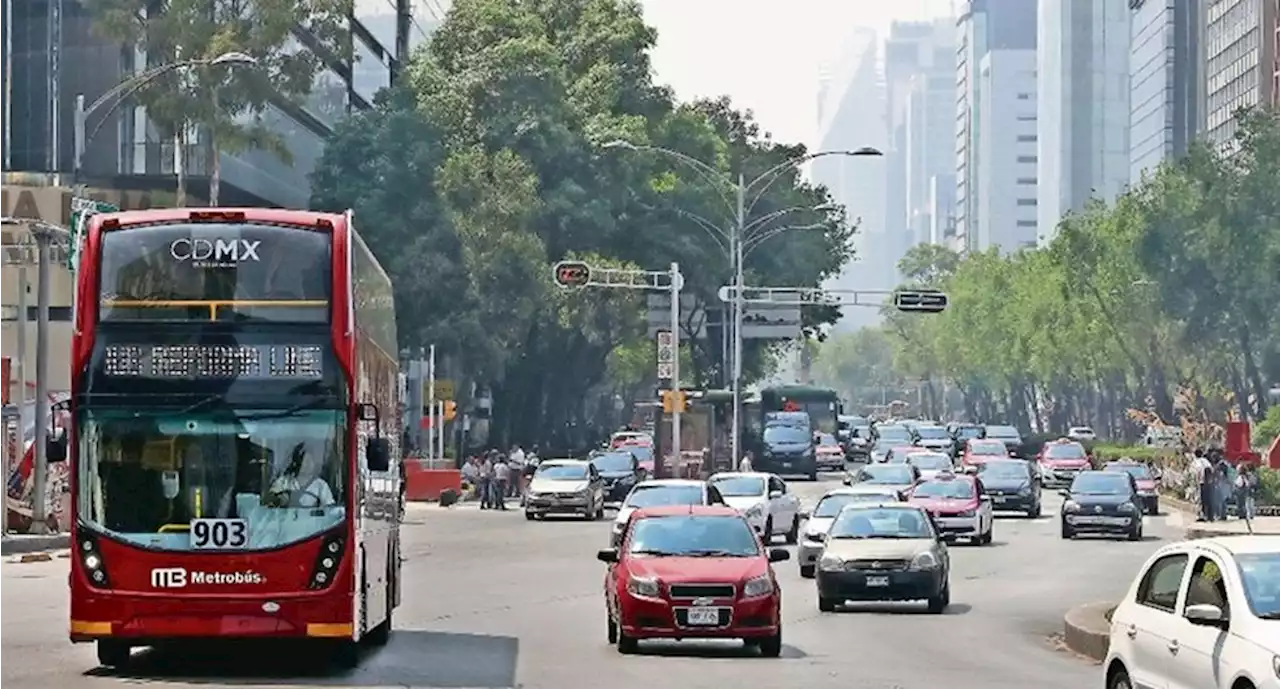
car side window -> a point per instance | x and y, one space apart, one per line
1160 585
776 483
713 496
1206 586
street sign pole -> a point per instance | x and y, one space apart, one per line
431 402
676 280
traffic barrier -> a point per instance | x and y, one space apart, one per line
423 484
1086 629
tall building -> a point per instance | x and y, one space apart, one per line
1083 105
1239 40
930 129
1164 81
1006 151
851 114
942 208
981 26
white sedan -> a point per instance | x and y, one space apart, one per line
662 493
764 500
1201 614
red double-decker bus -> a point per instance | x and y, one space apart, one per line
234 440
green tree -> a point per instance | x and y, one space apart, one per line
228 107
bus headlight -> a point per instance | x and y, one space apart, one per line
91 559
327 561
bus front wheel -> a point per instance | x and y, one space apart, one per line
114 653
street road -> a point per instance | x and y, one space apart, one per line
493 600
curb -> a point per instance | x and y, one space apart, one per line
1195 533
20 545
1087 631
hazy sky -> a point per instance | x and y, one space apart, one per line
766 54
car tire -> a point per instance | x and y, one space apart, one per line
627 645
793 536
1034 512
1135 534
346 654
808 571
813 475
114 653
771 646
767 534
611 630
1118 678
1067 533
1155 507
938 603
530 515
827 604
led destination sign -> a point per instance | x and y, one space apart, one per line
214 361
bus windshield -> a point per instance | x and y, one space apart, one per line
277 474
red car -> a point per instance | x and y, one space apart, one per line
980 451
692 572
1061 460
959 505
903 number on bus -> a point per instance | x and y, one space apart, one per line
219 534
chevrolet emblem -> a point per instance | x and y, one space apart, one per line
875 565
1098 509
703 601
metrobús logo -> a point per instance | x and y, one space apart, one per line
177 577
214 253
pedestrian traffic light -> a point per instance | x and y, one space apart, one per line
674 401
925 301
572 274
450 410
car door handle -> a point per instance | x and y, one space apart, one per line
1173 647
1132 631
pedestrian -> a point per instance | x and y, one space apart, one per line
471 475
486 482
1202 469
1246 486
1222 485
516 462
744 466
501 480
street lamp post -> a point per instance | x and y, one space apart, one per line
118 93
747 196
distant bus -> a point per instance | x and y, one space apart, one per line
821 404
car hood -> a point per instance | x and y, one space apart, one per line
944 504
1005 483
616 475
927 474
1065 463
744 502
786 448
877 548
900 487
1083 499
543 485
982 459
700 569
936 442
819 524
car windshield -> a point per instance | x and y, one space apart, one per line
788 435
828 440
886 475
662 496
1138 471
894 434
1003 432
1261 575
1100 483
562 472
933 433
898 455
1005 470
928 461
739 486
1065 451
278 476
987 447
642 453
881 522
831 505
693 536
950 490
968 432
613 462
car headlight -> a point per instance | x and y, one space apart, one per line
831 563
1127 507
1071 506
758 586
1024 491
967 514
925 560
643 587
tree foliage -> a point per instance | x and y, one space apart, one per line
1174 287
227 102
487 164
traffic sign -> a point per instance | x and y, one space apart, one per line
444 389
665 371
572 274
666 355
925 301
81 209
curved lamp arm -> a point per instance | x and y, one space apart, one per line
770 176
713 177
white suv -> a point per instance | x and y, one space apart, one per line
1201 614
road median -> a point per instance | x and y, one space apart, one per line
24 544
1086 629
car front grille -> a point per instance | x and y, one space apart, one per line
702 590
878 565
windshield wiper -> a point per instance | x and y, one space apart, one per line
1273 615
649 551
712 553
301 406
199 404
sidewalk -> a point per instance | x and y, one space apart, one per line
1262 526
18 544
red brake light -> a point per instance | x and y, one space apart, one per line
216 216
111 224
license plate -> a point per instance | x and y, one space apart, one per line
219 534
1000 500
877 581
786 464
704 616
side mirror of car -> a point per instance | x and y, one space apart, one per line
802 514
1065 493
946 537
1205 615
377 454
847 481
986 498
609 555
778 555
775 494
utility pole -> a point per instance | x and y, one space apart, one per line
432 417
44 235
676 284
22 326
738 254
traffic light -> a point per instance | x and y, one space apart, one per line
572 274
674 401
450 410
924 301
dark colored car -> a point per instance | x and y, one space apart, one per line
788 450
964 432
935 438
692 572
1105 502
621 472
1010 436
1145 478
1014 486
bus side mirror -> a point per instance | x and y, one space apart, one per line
367 412
377 454
55 446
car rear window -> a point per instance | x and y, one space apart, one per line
1065 451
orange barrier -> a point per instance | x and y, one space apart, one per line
426 484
